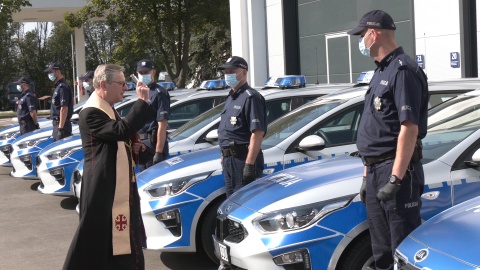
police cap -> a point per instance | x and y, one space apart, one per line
145 65
234 62
22 80
54 66
374 19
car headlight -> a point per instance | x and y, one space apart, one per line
8 135
63 153
175 186
31 143
298 217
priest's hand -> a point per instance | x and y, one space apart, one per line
158 157
143 91
138 147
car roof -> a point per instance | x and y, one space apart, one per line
202 94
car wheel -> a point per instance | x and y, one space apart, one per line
358 255
207 229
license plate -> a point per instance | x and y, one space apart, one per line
222 251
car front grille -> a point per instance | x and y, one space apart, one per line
230 230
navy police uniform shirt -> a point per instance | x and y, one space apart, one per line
26 104
398 92
62 96
244 112
160 102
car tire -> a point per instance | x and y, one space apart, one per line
207 229
358 255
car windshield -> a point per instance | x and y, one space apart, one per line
450 123
285 126
196 123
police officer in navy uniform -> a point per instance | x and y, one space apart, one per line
154 134
27 107
242 128
61 109
393 123
87 83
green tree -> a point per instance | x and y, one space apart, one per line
8 50
33 56
162 30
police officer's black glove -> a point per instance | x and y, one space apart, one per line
388 192
60 134
37 126
248 174
363 190
158 157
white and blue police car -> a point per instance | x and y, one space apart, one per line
311 217
195 134
26 148
449 240
9 134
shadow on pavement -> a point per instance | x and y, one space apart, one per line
69 203
34 186
186 261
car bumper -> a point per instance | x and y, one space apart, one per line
56 176
24 165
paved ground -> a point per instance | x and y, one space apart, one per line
36 230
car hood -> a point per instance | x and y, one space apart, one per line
67 142
38 133
313 182
181 166
460 225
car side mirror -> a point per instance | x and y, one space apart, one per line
311 143
212 136
475 162
75 118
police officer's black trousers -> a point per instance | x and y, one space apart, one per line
233 170
27 126
67 129
146 157
392 221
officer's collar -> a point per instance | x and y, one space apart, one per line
240 90
387 59
26 92
60 81
153 86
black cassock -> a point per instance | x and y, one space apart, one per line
91 247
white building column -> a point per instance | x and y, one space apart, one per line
249 37
275 34
80 65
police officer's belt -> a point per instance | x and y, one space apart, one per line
238 150
417 155
145 136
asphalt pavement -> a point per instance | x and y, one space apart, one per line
36 231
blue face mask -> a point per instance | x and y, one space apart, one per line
146 78
361 46
231 79
52 76
87 86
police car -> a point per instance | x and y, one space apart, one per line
180 195
448 240
26 148
200 132
9 134
311 217
286 81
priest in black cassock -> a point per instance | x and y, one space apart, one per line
110 234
